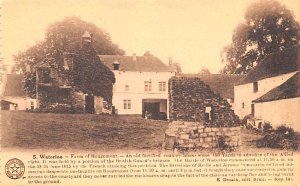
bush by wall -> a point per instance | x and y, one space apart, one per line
282 138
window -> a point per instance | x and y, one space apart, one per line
126 87
148 85
208 112
127 104
68 63
162 86
255 86
243 105
252 109
31 105
45 76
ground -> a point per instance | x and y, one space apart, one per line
80 131
85 132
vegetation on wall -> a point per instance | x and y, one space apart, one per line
89 75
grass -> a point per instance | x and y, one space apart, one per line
80 131
87 132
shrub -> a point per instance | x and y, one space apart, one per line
244 120
282 138
222 143
267 126
58 108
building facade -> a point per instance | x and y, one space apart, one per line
141 85
13 97
244 94
270 91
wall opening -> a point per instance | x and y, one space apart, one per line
208 113
255 86
89 104
252 109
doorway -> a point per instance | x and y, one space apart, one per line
89 104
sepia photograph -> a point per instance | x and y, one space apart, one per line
130 92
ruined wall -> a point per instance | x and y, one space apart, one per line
199 117
190 99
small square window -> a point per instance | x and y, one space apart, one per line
126 87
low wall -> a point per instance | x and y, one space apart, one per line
181 134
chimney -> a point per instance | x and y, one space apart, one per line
116 65
170 62
68 60
87 37
134 56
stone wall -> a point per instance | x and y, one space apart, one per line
195 135
190 99
199 117
77 100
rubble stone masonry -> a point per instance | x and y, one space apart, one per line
199 118
194 135
190 99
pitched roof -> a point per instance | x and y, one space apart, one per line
147 63
14 86
289 89
275 64
222 84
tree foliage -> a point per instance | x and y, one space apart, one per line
204 71
88 74
65 36
269 27
3 69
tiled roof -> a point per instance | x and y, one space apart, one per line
147 63
222 84
276 64
289 89
14 86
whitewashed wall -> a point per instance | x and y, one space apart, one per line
285 111
244 93
136 92
22 102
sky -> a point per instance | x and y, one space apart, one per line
192 32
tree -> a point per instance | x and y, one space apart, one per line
3 69
65 36
89 75
269 27
204 71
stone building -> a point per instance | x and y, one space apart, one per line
57 92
